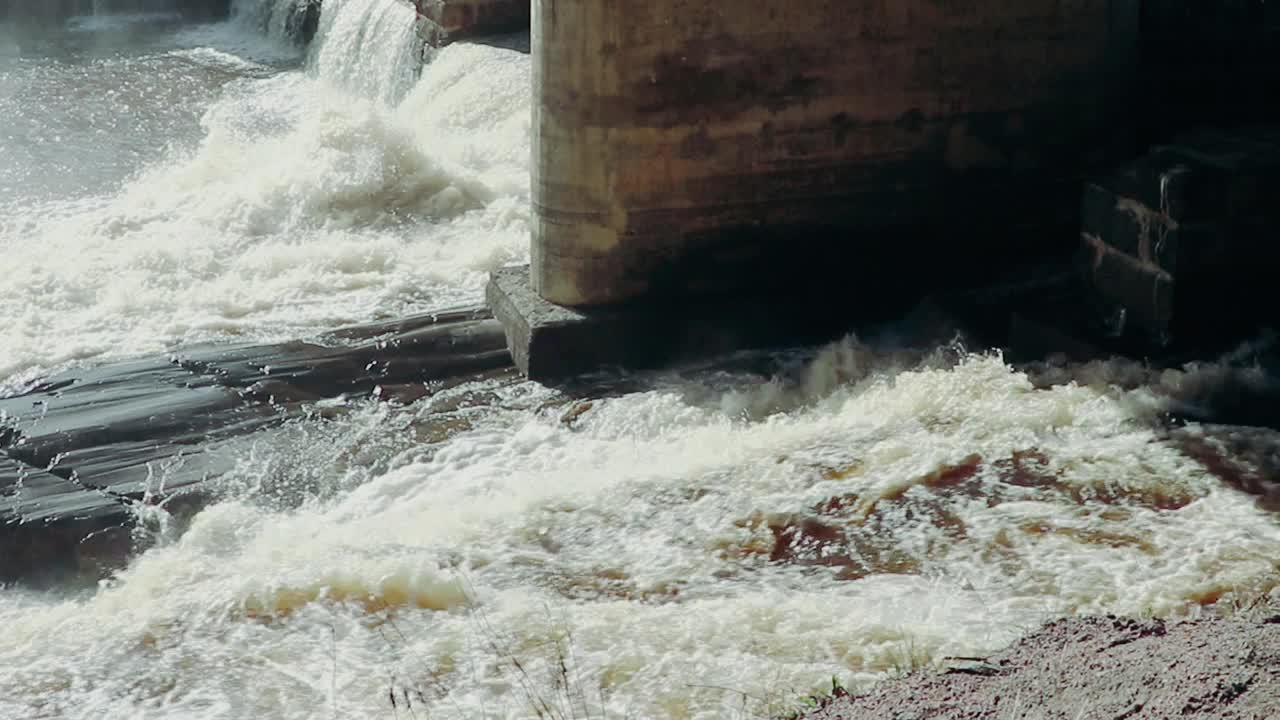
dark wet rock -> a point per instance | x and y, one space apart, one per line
441 22
124 404
299 19
1176 265
80 450
303 21
575 413
52 529
33 496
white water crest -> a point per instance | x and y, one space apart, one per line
662 556
307 204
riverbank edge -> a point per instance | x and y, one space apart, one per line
1081 668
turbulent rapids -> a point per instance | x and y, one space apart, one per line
708 542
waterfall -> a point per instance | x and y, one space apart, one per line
292 19
370 47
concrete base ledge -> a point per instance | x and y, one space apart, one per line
551 342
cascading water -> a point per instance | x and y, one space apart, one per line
287 203
292 19
710 543
370 47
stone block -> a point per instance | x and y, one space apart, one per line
50 526
1150 236
444 21
1141 290
1184 241
1210 175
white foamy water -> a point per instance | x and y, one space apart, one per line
652 546
308 202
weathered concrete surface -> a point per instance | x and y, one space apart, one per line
552 342
688 148
444 21
80 450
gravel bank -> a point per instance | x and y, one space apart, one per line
1098 668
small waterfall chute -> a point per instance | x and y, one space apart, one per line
369 47
296 20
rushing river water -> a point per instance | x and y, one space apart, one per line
709 543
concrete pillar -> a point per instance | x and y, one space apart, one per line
694 147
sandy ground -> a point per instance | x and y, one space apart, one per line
1099 668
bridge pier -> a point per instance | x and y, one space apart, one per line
689 152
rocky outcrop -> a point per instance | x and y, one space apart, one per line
303 21
295 20
80 452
